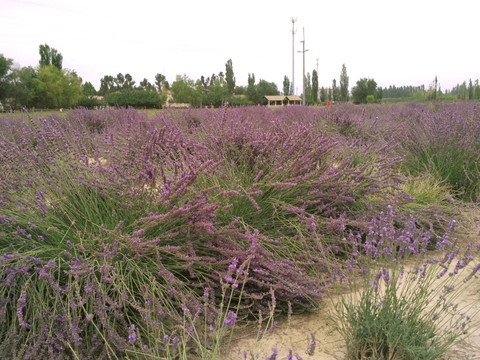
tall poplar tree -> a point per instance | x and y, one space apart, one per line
50 56
335 90
286 86
343 84
229 77
470 90
160 81
315 86
251 88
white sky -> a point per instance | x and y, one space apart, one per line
395 42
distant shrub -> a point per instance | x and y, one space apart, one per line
89 102
135 98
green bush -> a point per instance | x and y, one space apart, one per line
89 102
401 314
136 98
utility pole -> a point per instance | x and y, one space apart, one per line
303 51
293 20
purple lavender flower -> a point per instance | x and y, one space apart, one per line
274 355
230 318
313 344
132 337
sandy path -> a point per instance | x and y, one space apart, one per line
296 336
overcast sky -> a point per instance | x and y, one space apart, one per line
406 42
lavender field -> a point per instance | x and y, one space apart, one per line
126 236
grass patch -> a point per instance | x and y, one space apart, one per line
427 191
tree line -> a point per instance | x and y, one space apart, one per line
464 91
50 86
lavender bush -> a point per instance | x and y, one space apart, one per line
124 235
408 305
443 141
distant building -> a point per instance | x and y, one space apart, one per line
281 100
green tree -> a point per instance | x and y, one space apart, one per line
72 88
470 90
51 86
216 94
50 56
251 89
379 94
229 77
308 88
40 98
107 85
286 85
45 55
265 88
335 90
240 90
364 88
129 82
5 67
202 85
433 90
184 91
463 91
146 85
21 90
160 81
323 95
119 81
343 84
314 86
62 88
89 89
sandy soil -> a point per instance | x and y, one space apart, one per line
295 333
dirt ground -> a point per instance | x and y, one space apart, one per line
295 333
